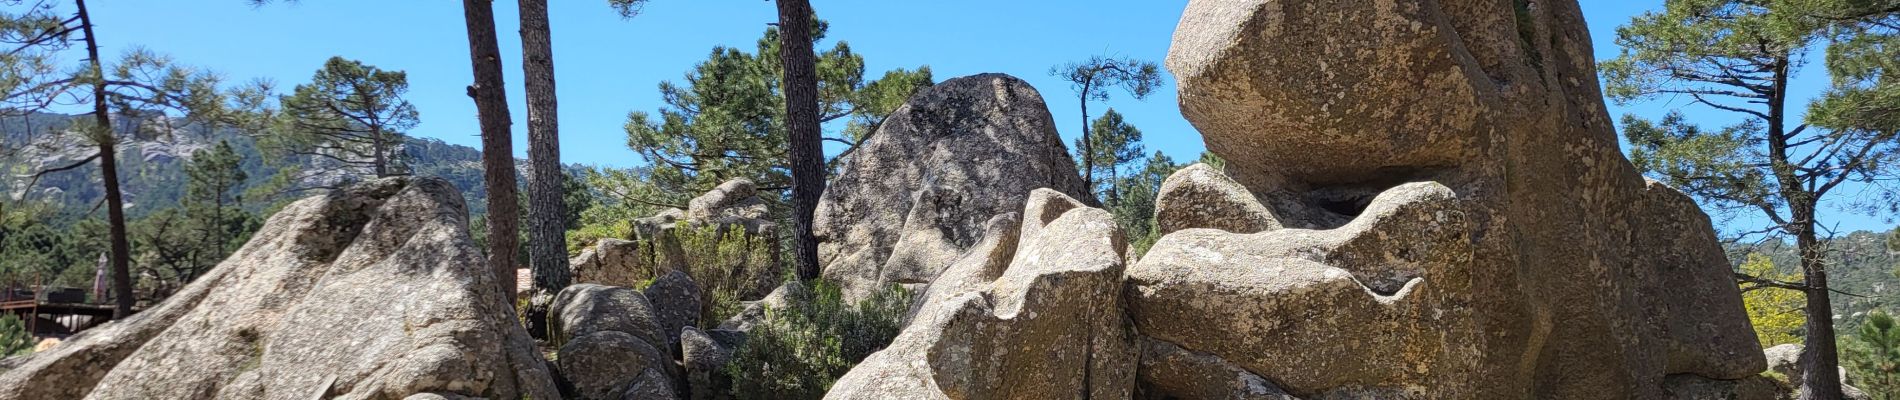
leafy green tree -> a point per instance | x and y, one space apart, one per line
727 119
1776 314
1738 57
351 114
1877 360
1092 79
1114 145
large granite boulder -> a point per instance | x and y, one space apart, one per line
375 291
915 195
611 342
1034 313
1447 213
676 303
704 360
737 198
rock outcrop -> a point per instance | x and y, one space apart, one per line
1423 199
915 195
676 303
612 343
1033 312
375 291
613 262
703 359
660 241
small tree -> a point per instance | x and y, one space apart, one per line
1114 145
14 339
351 115
1092 79
1135 210
213 179
1878 358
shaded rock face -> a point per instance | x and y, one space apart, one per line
916 194
676 304
1425 199
372 292
703 358
613 344
1033 312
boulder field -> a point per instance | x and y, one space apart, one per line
1422 199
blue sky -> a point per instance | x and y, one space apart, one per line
607 66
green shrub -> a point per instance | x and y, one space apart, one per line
727 263
14 339
800 350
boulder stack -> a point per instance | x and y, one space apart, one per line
656 247
613 344
1434 206
375 291
915 195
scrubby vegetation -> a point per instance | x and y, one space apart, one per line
728 263
14 339
803 348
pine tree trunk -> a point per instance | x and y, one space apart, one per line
109 175
1088 147
547 230
380 151
1820 357
801 123
498 161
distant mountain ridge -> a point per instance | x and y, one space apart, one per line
152 168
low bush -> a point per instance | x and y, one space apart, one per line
800 350
728 264
14 339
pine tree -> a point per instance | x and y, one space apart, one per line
498 155
1114 145
143 90
1739 57
800 67
1879 360
1091 79
547 210
352 115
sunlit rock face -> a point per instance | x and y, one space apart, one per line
375 291
1032 312
914 196
1438 210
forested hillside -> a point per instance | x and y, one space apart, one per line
1863 267
59 238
